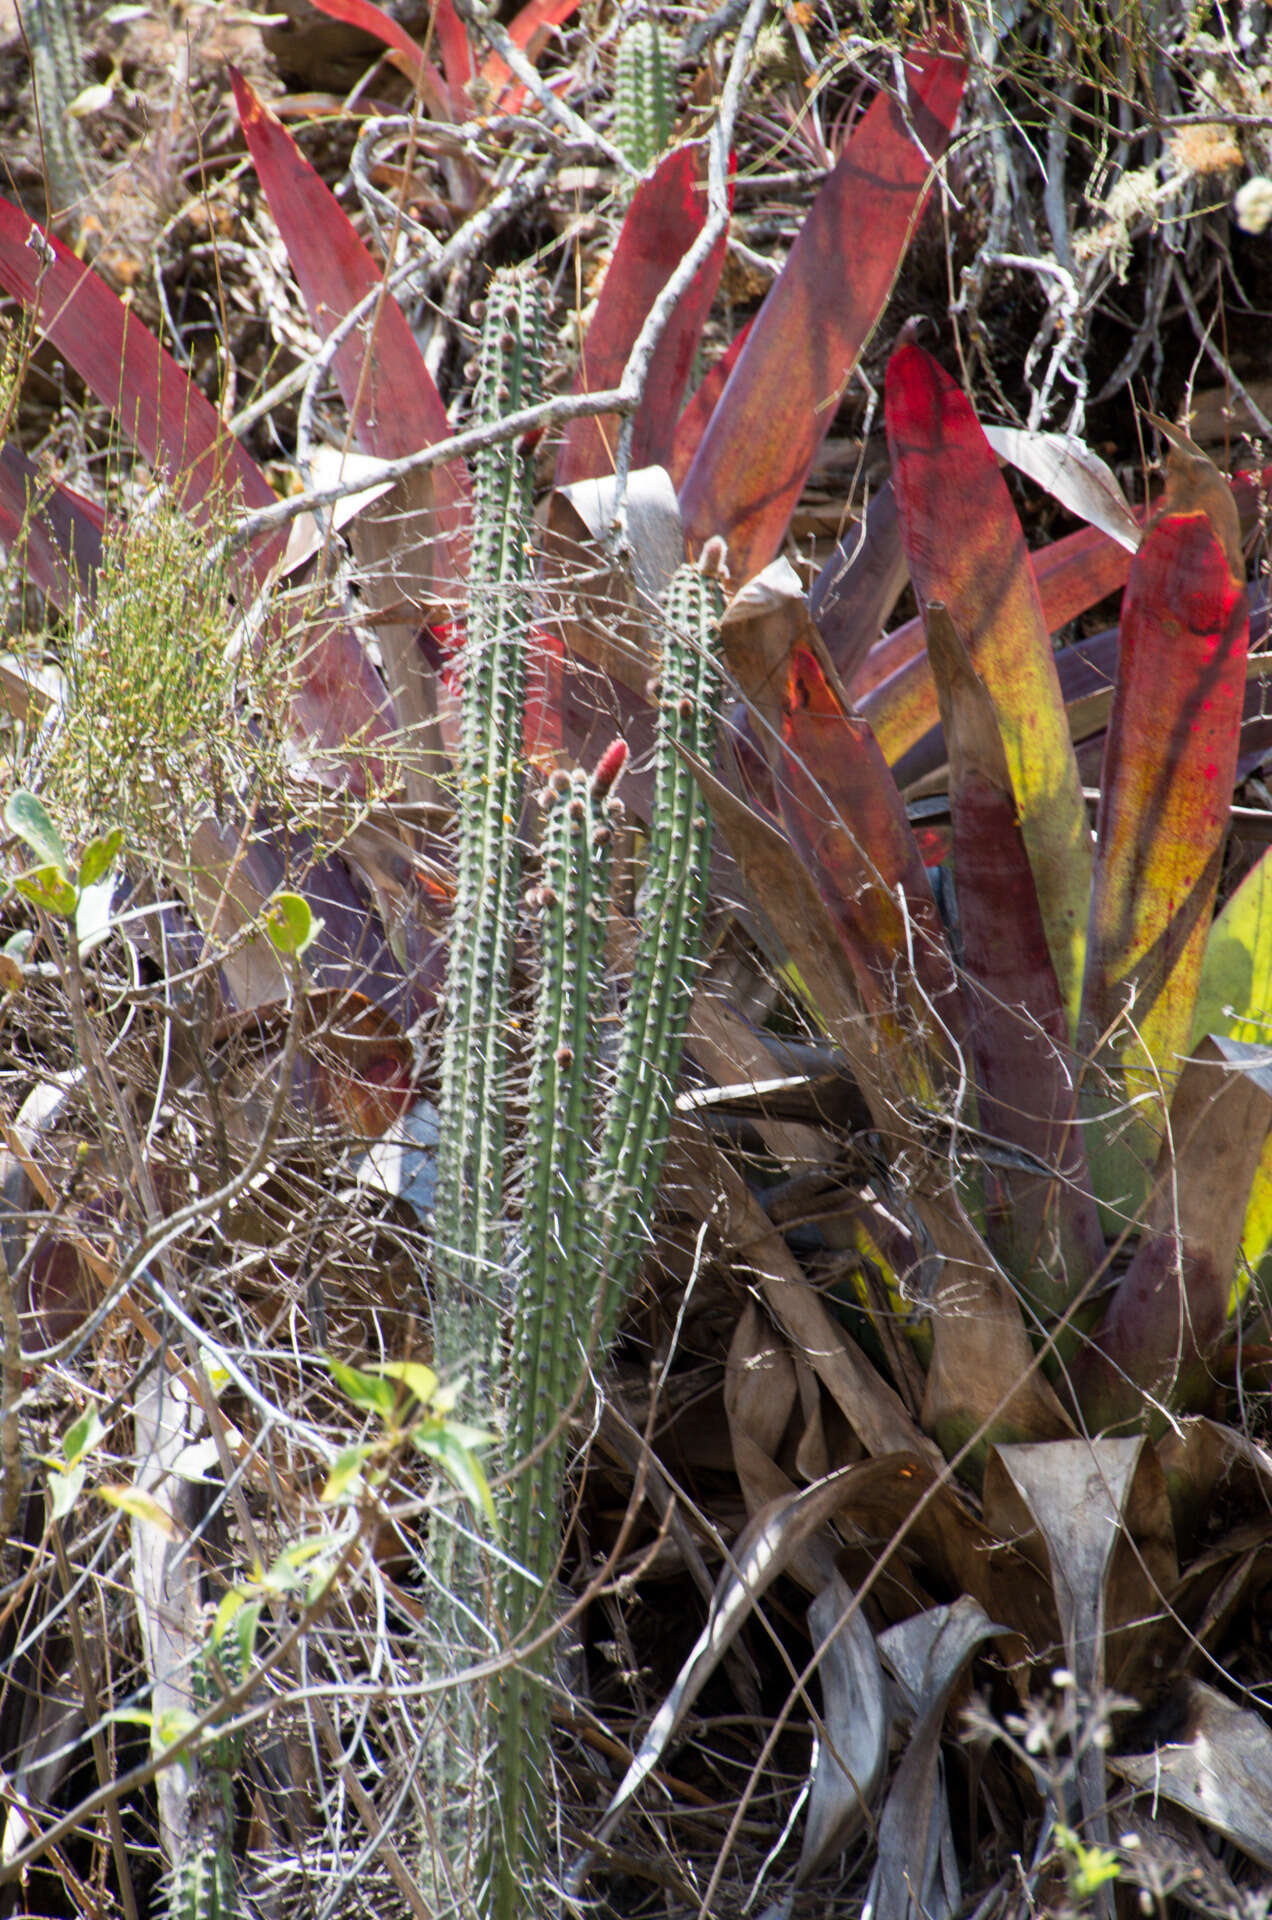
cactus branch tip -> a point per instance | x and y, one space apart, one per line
609 767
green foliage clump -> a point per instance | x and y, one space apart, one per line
169 706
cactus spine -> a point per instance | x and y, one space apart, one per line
644 94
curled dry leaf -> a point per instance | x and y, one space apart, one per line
764 1550
851 1747
916 1871
1220 1768
1067 469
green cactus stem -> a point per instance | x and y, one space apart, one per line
630 1161
203 1883
468 1249
644 94
548 1344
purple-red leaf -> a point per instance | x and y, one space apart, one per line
860 584
393 404
529 30
966 551
1026 1085
403 51
848 828
665 218
780 401
457 55
176 430
59 532
894 684
692 423
1169 762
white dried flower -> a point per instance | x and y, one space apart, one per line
1252 205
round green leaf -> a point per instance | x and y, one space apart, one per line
290 923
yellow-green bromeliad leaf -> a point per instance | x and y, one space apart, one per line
1235 1000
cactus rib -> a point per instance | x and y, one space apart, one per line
644 97
547 1343
469 1207
203 1883
631 1153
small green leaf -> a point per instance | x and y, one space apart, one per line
140 1506
415 1377
369 1390
346 1470
65 1486
131 1717
460 1465
229 1606
99 856
82 1437
245 1630
290 923
49 889
289 1569
171 1725
27 817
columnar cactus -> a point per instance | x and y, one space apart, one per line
583 1204
203 1885
468 1258
468 1253
550 1334
644 93
629 1164
586 1203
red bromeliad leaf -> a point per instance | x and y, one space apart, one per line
845 816
392 401
176 430
1072 575
692 423
59 532
1046 1231
1169 761
780 401
848 828
405 52
457 55
966 550
529 30
665 218
860 585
